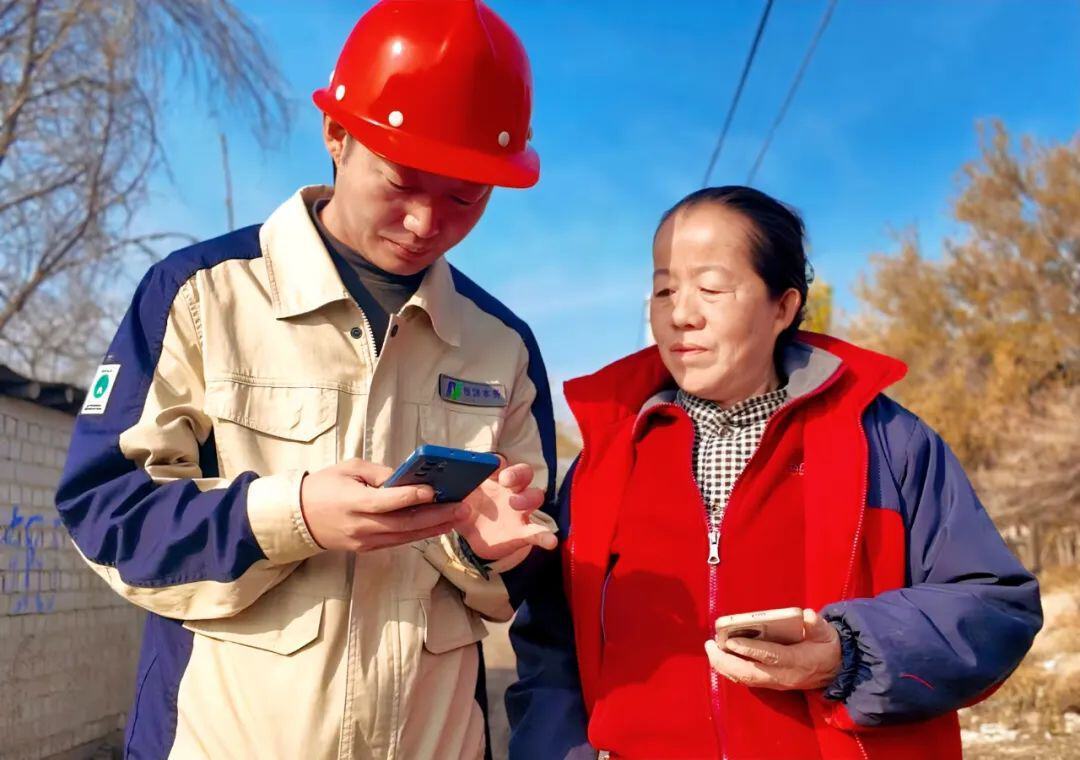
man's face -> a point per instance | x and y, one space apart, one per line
401 219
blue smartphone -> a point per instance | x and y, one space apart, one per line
453 473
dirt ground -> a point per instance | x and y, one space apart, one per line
1046 747
499 658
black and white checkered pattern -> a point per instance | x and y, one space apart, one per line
724 441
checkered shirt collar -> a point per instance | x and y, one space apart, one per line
709 417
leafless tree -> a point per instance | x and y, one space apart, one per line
82 86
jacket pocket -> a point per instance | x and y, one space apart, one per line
292 413
473 429
448 623
280 621
271 426
612 561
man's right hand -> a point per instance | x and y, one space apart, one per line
345 509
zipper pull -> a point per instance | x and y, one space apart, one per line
714 545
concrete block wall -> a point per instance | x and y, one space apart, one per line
68 644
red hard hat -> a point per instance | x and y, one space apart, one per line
439 85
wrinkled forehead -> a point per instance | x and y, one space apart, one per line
703 236
692 270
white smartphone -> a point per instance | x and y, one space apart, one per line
782 626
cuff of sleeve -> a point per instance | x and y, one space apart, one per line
454 558
850 657
468 556
276 519
510 561
459 548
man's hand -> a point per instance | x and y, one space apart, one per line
813 663
500 509
345 509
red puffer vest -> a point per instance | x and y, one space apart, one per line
796 532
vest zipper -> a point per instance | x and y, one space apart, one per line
714 539
713 524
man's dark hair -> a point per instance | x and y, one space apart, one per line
777 252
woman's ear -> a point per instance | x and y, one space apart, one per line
788 309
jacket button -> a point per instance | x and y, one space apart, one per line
356 332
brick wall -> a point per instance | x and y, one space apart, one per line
68 644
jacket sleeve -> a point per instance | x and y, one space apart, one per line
970 610
545 706
140 493
527 436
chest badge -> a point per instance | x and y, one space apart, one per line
468 393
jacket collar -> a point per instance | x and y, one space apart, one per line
639 384
302 275
303 278
439 299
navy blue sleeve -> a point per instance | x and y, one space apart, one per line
970 611
545 706
153 534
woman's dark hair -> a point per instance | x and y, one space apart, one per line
776 245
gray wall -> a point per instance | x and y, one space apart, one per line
68 644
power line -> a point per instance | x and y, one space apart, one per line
791 92
738 91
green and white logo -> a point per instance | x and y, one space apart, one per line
471 393
100 389
101 386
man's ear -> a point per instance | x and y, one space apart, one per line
335 138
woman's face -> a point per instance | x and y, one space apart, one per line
712 316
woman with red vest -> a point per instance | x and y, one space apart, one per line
740 465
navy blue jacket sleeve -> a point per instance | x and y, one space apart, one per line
140 492
970 610
545 706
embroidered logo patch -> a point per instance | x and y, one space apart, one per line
471 394
100 389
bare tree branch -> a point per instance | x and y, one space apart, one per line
34 61
39 192
81 85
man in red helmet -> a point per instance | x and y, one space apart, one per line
225 470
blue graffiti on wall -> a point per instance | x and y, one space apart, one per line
25 577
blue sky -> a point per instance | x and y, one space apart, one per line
629 100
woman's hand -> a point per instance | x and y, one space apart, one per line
501 509
813 663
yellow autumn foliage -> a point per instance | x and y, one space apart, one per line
994 320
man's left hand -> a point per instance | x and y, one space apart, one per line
813 663
502 506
